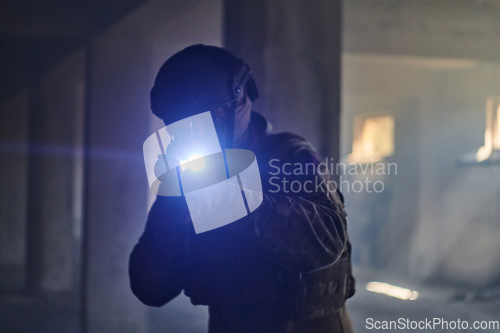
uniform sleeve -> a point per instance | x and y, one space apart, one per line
301 230
157 262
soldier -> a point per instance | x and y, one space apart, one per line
283 268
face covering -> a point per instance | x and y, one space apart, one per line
233 118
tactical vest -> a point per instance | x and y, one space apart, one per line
229 270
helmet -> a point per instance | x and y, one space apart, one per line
197 79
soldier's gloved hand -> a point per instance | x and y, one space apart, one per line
172 209
167 216
172 205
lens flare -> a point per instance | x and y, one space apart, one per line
196 163
183 164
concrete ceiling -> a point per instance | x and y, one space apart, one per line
465 29
36 35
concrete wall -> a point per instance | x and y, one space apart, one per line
116 189
13 179
433 220
435 28
42 191
293 48
463 245
97 98
55 178
124 62
430 64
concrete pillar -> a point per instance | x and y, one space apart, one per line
13 177
293 48
401 213
116 184
55 178
123 64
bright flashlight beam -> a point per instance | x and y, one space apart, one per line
183 164
196 163
393 291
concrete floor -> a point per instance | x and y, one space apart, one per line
20 313
442 302
52 315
